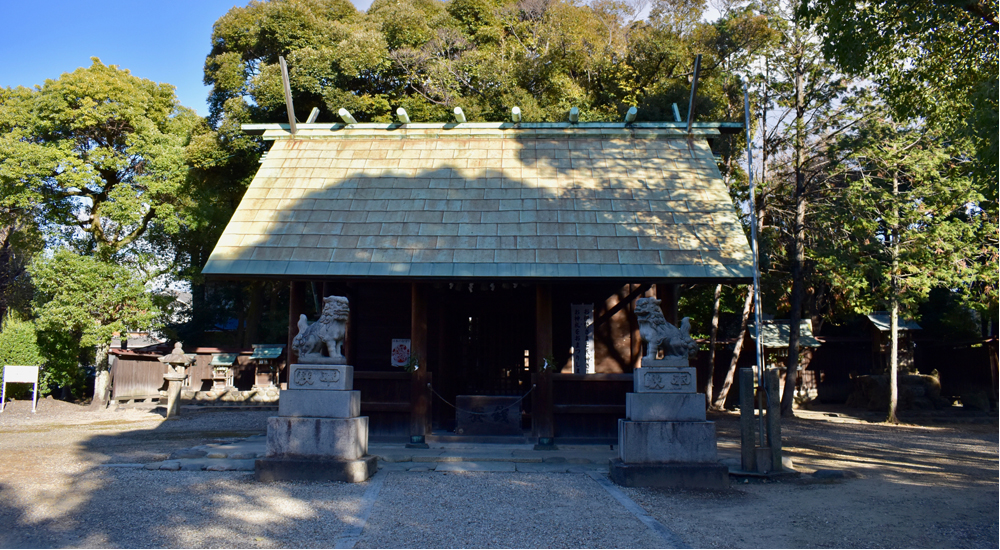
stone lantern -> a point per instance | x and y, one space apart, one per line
177 360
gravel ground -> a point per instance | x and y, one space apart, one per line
913 487
500 510
931 486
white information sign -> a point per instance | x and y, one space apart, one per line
400 352
583 338
19 374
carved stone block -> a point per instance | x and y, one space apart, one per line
320 377
665 407
320 403
665 380
322 438
666 442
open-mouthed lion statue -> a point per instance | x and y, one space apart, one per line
328 332
658 334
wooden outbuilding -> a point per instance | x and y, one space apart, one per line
495 249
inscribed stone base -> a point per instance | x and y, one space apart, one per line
659 407
300 469
305 376
665 380
677 475
320 403
665 362
488 415
662 442
317 438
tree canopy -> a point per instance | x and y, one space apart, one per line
100 152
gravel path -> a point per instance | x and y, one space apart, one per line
916 486
501 510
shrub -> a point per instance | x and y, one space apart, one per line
19 346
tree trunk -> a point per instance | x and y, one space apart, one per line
798 241
893 361
102 379
720 402
894 310
711 345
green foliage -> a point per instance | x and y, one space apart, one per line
899 221
936 61
98 152
89 298
19 346
18 343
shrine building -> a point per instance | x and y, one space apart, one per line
495 249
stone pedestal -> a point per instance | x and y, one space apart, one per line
665 441
174 382
318 434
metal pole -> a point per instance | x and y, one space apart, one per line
756 268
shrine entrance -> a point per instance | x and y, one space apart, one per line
480 343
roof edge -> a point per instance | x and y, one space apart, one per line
680 128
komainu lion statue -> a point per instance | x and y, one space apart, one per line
658 334
327 333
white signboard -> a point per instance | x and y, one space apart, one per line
19 374
400 352
583 338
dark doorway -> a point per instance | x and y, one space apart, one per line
480 341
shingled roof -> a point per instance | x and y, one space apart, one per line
536 201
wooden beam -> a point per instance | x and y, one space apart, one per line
296 295
669 294
635 337
288 95
420 402
639 290
543 425
694 91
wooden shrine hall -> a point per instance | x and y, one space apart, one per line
496 250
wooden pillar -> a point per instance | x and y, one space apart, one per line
420 402
296 294
635 339
543 424
669 294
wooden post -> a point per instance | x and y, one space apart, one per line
296 294
635 338
420 403
288 95
774 418
748 460
669 294
543 424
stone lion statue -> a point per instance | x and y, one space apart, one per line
661 335
328 332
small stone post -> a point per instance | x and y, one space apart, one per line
774 418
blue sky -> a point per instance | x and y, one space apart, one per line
164 41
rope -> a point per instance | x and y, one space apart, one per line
479 413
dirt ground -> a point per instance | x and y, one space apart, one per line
917 486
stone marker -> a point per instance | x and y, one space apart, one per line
665 440
318 434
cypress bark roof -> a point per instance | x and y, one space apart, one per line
486 200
